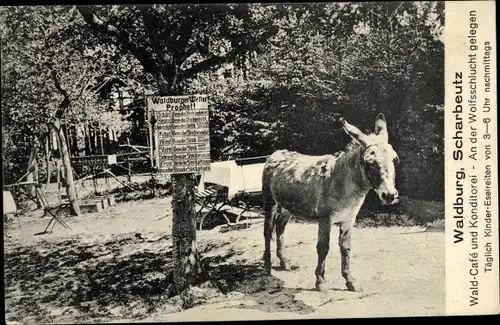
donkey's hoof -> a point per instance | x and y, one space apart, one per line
287 266
267 268
321 286
352 286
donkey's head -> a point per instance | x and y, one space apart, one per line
378 159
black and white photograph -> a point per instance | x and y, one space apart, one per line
216 162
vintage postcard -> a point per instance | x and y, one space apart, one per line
471 200
249 161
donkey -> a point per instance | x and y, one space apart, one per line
329 190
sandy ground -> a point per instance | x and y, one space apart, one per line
115 265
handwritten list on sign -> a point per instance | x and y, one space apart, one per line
182 133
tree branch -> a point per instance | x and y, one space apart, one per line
66 99
123 38
79 81
183 41
108 79
151 27
216 60
84 85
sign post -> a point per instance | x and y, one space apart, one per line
181 132
182 149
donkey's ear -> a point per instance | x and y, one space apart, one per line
354 132
381 127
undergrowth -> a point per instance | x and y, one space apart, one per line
407 213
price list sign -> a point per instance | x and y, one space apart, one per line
94 161
181 133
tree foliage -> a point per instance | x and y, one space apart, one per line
49 75
176 42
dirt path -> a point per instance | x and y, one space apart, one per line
401 271
103 271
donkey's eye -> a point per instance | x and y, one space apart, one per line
396 160
372 163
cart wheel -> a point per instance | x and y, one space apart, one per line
201 221
228 221
216 215
242 214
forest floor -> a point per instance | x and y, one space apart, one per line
116 265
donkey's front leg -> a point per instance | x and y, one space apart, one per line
345 230
322 248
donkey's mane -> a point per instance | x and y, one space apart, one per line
352 146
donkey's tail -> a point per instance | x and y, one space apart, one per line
269 204
267 196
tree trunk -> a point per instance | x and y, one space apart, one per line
107 142
74 141
86 137
92 141
68 172
39 203
31 173
36 172
101 142
47 159
186 257
184 232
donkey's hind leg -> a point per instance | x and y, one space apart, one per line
282 219
269 222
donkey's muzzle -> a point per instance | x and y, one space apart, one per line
390 198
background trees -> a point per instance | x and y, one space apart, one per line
50 82
354 60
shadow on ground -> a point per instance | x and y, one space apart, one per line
250 280
70 280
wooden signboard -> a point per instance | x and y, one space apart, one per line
181 133
95 162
